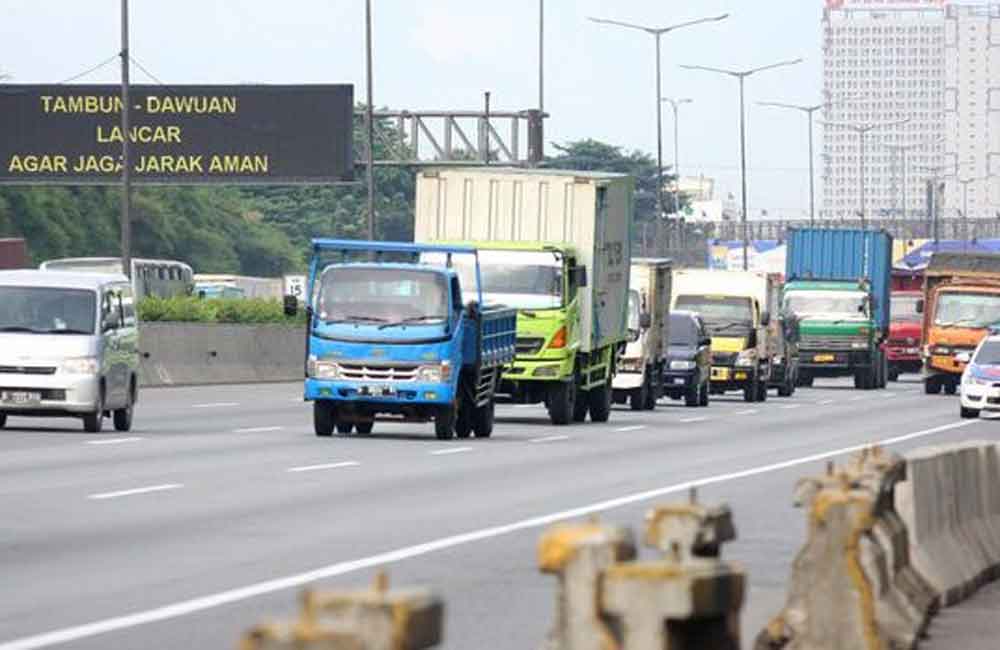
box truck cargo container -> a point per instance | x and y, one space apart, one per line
838 284
555 245
640 369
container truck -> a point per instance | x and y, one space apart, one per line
783 334
734 307
390 335
838 285
639 380
555 245
961 302
902 349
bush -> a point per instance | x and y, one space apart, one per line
188 309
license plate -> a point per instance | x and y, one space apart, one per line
378 391
19 397
912 350
824 358
679 381
741 376
720 374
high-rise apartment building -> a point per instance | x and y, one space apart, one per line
884 62
972 109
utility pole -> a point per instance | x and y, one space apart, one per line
126 217
676 104
904 151
657 33
809 111
742 75
370 120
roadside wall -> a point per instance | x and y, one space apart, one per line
185 354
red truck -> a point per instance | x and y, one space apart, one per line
905 329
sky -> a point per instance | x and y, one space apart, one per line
443 54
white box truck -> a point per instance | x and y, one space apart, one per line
639 380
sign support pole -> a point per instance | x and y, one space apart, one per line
370 122
126 223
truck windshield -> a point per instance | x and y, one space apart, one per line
43 310
904 308
827 303
519 279
381 295
967 310
722 314
989 354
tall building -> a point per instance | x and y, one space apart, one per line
972 109
884 62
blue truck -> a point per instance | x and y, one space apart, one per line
390 337
838 285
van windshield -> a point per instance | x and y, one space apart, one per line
381 296
45 310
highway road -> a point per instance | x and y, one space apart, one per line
211 514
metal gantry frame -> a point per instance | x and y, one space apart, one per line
457 138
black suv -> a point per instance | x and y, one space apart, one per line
688 370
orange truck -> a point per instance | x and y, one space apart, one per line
960 305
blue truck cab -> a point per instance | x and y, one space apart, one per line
389 337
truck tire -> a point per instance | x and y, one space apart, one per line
932 386
804 380
637 400
751 392
444 422
762 391
562 403
365 428
894 374
654 392
703 395
599 401
482 420
787 389
692 398
950 388
581 406
968 414
324 419
463 421
345 428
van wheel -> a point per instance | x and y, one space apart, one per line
444 422
482 420
562 403
692 397
94 422
123 417
968 414
324 419
600 403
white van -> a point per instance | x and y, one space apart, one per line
69 347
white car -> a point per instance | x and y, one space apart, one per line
981 379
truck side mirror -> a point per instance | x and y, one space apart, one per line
920 306
765 319
472 309
645 320
291 306
579 276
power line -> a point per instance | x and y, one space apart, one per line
92 69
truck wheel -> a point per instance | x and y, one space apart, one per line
482 420
345 428
444 423
562 403
804 380
600 403
653 394
463 421
787 389
932 386
950 388
692 397
762 391
894 375
968 414
751 392
365 428
323 419
637 400
703 395
581 405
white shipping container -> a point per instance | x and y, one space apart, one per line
652 278
590 211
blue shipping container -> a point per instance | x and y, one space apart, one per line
844 255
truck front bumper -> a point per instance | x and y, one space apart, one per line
534 369
834 361
49 395
732 377
387 396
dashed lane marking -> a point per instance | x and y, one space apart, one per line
211 601
215 405
113 441
826 402
638 427
548 439
317 468
684 421
747 412
448 452
791 407
135 491
258 430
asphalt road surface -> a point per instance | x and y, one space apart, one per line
221 504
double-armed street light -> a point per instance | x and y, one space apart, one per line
809 111
741 76
676 103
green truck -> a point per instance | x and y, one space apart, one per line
555 245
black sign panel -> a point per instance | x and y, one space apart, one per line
181 134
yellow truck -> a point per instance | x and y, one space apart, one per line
734 307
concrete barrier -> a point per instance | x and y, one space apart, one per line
184 354
371 619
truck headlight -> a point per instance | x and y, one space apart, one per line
323 369
80 366
859 345
746 358
436 374
940 350
630 365
682 365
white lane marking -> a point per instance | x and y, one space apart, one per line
446 452
316 468
888 395
182 608
128 493
747 412
638 427
684 421
791 407
548 439
112 441
527 406
258 430
826 402
859 398
215 405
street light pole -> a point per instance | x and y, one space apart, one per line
809 111
126 217
676 104
370 121
741 75
657 33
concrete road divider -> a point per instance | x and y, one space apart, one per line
185 354
372 619
686 599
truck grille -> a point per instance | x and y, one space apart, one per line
529 346
368 372
827 343
26 370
